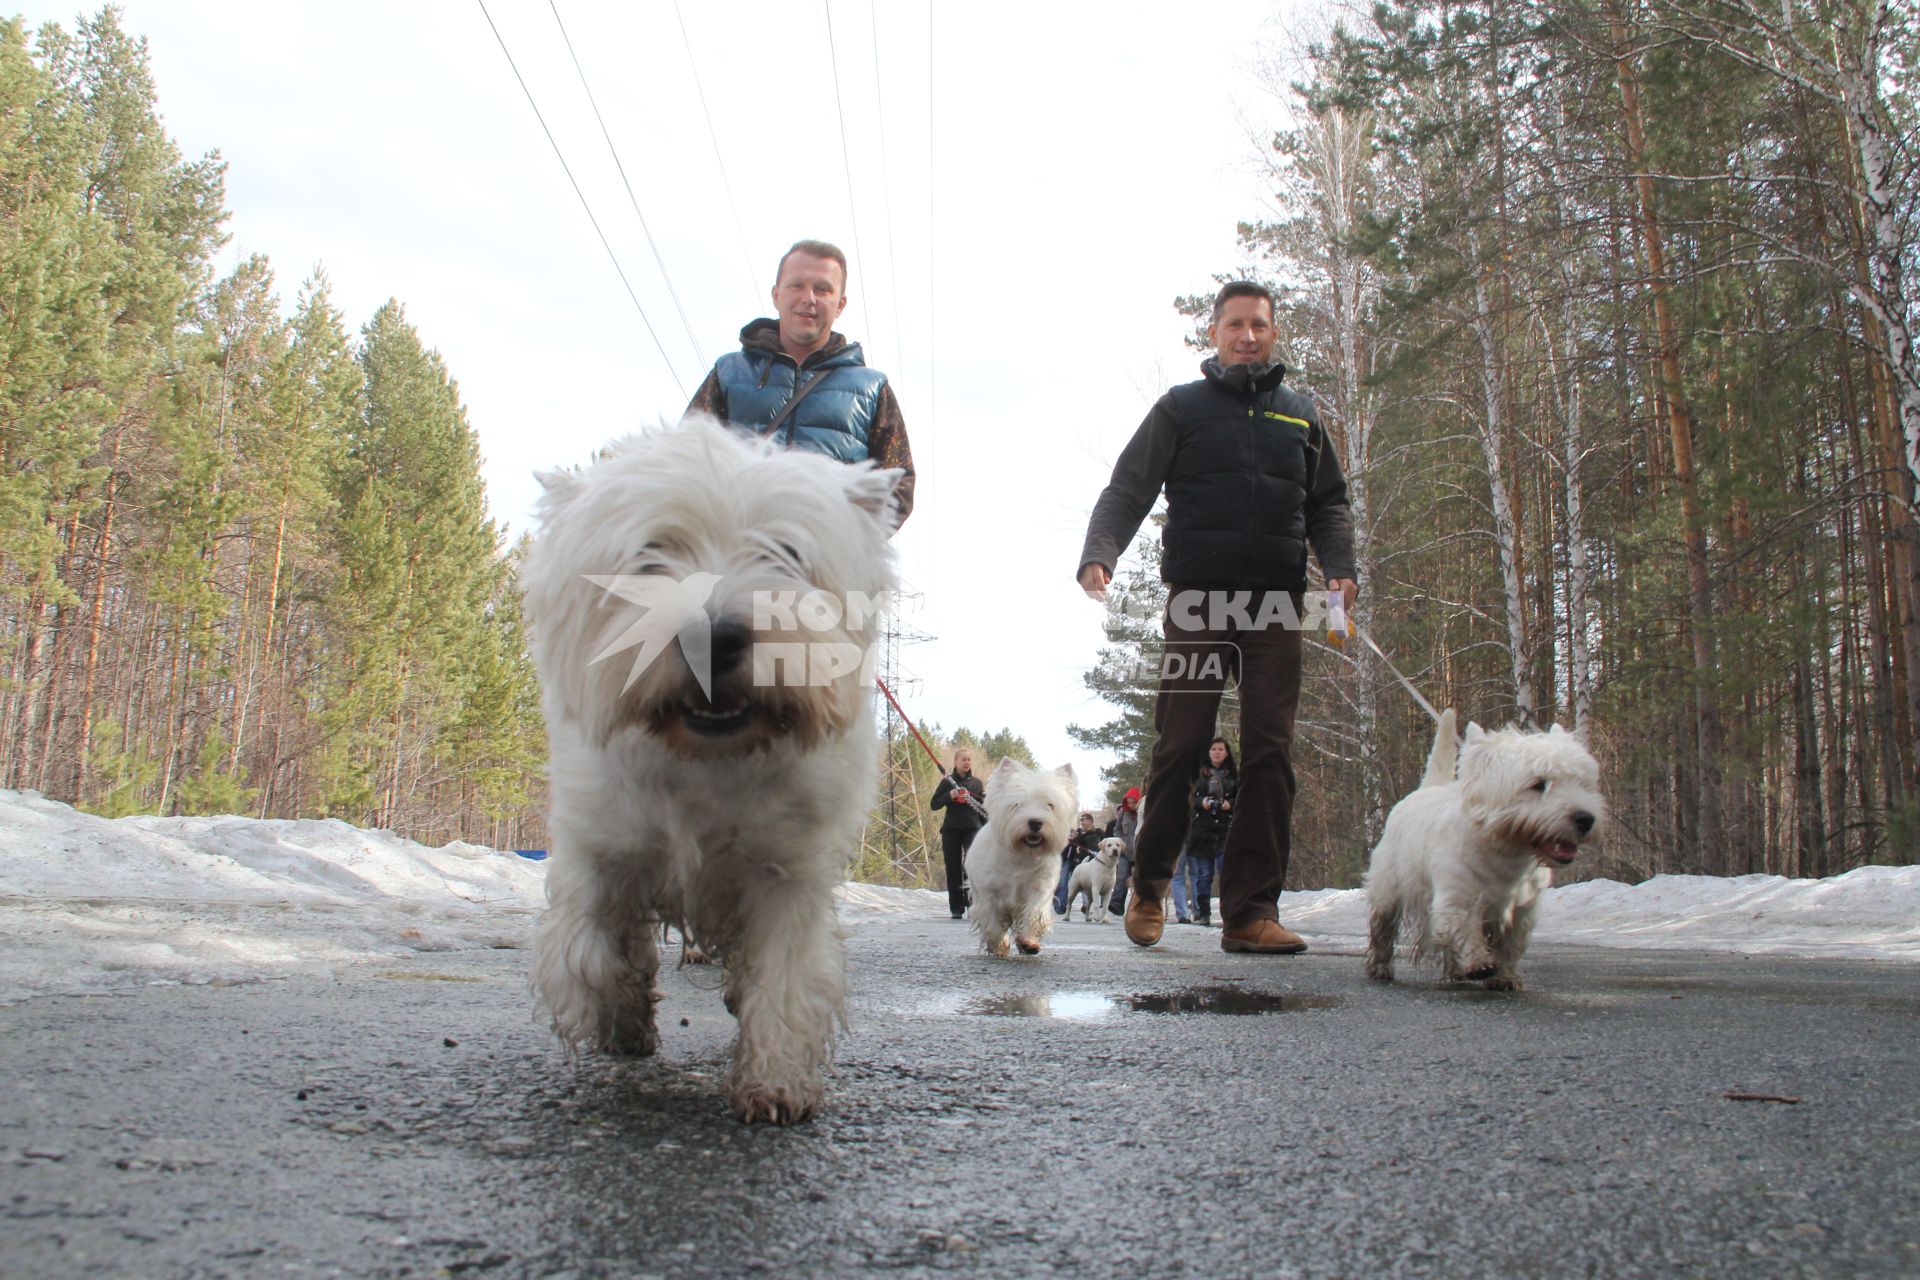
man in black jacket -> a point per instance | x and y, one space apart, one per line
1251 481
1082 844
961 795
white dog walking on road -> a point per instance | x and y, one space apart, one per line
702 608
1092 880
1462 863
1014 863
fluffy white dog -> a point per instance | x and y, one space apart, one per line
1092 880
1014 863
1462 863
702 607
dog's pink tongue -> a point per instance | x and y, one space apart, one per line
1562 850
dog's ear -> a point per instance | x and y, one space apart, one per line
1065 771
1007 765
1474 732
560 485
1556 731
872 492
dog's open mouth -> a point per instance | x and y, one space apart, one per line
1555 852
1033 840
716 721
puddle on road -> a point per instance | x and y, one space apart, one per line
1095 1005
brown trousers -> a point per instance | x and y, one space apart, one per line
1266 666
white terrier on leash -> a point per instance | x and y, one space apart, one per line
1014 863
1462 863
1092 881
702 608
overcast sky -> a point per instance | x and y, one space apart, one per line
1031 186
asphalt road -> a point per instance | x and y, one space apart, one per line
1096 1111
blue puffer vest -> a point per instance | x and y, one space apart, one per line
835 416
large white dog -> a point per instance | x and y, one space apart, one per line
1014 863
1462 863
702 607
1092 881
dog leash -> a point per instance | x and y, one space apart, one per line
1404 682
972 801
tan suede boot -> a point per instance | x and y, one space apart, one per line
1262 937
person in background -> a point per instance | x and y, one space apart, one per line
962 823
1213 795
1081 845
1125 825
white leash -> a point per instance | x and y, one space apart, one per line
1404 682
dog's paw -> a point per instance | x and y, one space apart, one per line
1379 970
631 1038
1028 946
773 1104
1475 974
998 948
1470 966
1503 982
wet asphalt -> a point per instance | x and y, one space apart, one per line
1095 1111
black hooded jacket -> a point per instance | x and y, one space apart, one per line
1251 481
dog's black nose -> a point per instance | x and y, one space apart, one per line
731 640
1034 825
1583 821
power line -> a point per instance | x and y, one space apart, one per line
846 156
753 277
614 258
633 199
933 207
886 186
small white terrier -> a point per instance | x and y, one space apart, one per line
701 610
1092 881
1014 863
1462 864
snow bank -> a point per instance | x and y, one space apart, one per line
1869 913
97 905
91 905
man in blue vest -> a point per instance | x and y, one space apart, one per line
806 386
1251 481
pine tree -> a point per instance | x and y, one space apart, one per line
417 555
1126 674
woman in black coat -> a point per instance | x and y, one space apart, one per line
961 824
1213 795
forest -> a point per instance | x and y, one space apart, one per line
1607 304
1609 308
245 560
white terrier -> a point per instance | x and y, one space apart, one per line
702 609
1462 864
1093 881
1014 863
